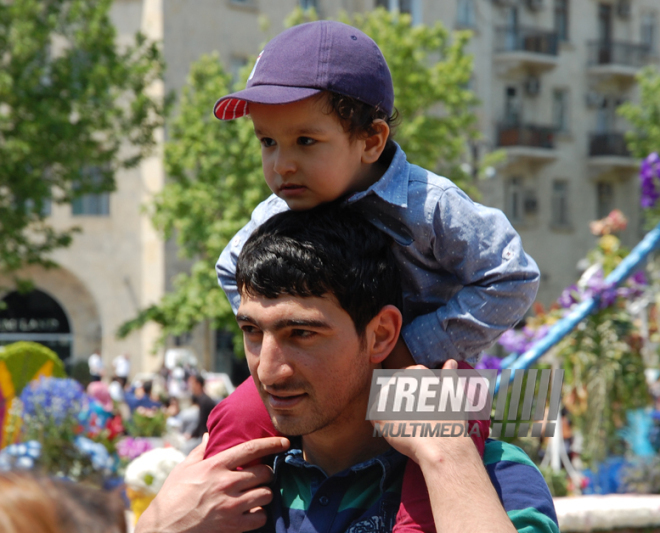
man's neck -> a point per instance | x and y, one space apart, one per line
335 450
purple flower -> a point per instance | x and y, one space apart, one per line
649 174
488 362
639 278
607 297
513 341
519 341
569 296
131 448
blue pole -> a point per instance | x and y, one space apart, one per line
563 327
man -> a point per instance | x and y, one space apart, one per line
319 313
95 363
205 405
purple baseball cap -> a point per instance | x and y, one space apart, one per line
307 59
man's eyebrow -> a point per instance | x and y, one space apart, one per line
289 322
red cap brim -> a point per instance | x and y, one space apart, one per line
237 104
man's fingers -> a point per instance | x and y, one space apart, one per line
253 476
247 452
255 518
254 498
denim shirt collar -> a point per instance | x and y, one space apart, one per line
387 462
393 185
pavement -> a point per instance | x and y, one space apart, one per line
610 511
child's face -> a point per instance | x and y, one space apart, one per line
307 157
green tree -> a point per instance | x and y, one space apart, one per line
215 167
644 136
214 183
74 109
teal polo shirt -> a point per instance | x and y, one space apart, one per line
365 498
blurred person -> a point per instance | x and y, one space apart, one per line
141 397
96 368
202 406
204 401
122 366
33 504
102 406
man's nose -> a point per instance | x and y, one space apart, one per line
273 364
285 163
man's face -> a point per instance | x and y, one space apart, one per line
306 360
307 157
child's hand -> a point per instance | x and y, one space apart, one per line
400 357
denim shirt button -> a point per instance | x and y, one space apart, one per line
323 500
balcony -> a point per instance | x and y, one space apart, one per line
609 150
617 58
527 141
526 46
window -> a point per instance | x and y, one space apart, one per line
604 199
560 109
411 7
512 108
92 204
561 19
309 4
235 66
465 16
606 115
514 199
648 31
560 215
46 206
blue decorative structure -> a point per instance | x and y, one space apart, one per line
564 326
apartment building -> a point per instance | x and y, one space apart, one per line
549 73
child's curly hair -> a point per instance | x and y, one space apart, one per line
358 118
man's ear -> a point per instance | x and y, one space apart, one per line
382 333
375 144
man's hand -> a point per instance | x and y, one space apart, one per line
428 448
212 495
456 479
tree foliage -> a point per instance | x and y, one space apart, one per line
644 136
74 109
215 167
214 183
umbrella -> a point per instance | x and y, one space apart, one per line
20 363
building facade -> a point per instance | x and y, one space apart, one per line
549 74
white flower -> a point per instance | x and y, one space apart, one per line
148 472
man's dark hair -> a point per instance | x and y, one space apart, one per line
147 386
198 378
329 249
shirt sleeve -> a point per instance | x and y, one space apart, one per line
498 280
519 485
226 266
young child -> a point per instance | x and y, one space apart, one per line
322 102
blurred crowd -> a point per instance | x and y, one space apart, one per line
173 404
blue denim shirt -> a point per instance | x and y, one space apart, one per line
466 278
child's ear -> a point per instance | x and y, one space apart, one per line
375 144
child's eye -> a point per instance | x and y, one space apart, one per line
306 141
267 142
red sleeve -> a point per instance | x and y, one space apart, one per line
415 510
238 418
